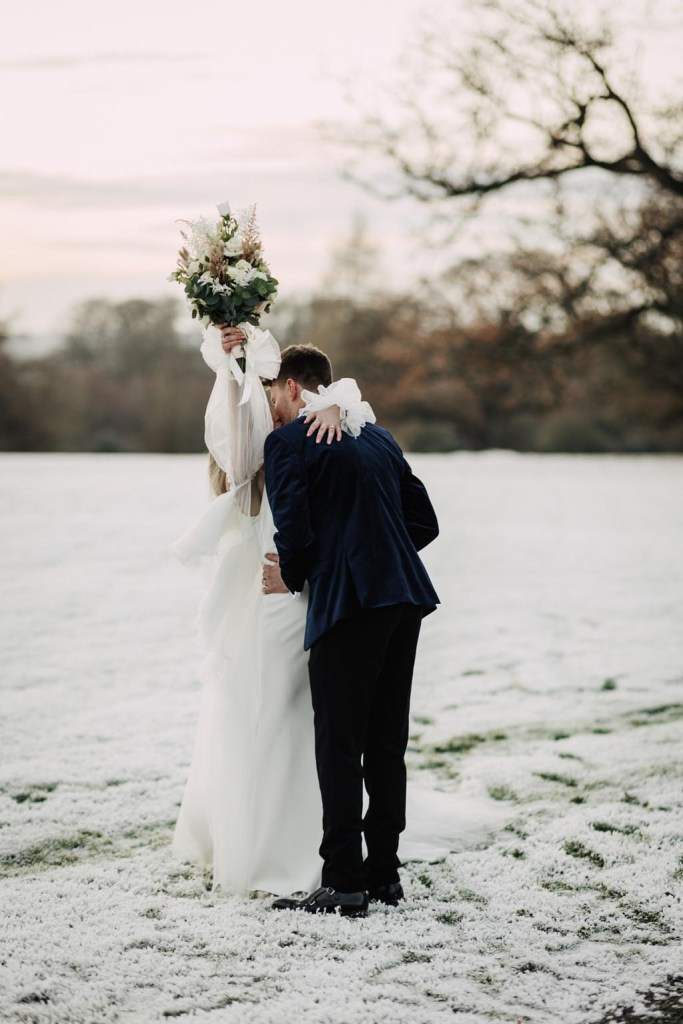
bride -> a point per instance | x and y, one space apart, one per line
252 811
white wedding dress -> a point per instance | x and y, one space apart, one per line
251 808
251 811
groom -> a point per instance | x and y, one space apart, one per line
350 519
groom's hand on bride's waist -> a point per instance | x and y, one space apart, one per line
271 578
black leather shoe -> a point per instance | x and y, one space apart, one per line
327 901
390 894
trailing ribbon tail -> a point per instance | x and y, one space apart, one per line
262 355
262 358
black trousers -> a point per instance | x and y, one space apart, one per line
361 674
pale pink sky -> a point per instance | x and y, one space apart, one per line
120 118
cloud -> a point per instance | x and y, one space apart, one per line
68 62
250 176
109 244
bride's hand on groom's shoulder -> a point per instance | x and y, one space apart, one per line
326 422
271 578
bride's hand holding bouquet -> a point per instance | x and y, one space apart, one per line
231 337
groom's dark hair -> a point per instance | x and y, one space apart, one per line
305 364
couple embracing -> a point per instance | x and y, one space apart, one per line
314 502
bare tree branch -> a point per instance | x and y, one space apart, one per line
486 80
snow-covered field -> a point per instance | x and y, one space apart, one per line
549 689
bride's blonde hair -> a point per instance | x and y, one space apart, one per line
218 477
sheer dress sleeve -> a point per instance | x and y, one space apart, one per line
238 417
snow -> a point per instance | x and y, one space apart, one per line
547 711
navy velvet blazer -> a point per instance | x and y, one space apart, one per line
350 518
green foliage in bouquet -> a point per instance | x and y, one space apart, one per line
222 270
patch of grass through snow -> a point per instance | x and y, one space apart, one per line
35 997
449 917
608 892
556 885
502 792
463 744
54 852
663 1004
512 826
661 712
575 848
61 851
37 793
605 826
440 766
566 780
409 957
529 967
218 1004
642 915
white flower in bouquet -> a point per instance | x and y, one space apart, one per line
233 247
222 269
242 272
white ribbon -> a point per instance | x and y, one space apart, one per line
262 355
260 351
345 393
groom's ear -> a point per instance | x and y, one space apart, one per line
293 390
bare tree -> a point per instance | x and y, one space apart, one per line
355 264
532 95
124 338
23 425
541 107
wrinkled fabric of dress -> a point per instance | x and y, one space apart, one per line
251 811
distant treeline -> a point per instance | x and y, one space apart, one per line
562 333
127 379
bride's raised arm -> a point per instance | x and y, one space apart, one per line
238 417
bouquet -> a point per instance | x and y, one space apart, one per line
222 269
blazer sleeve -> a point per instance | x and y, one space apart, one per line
418 512
287 488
